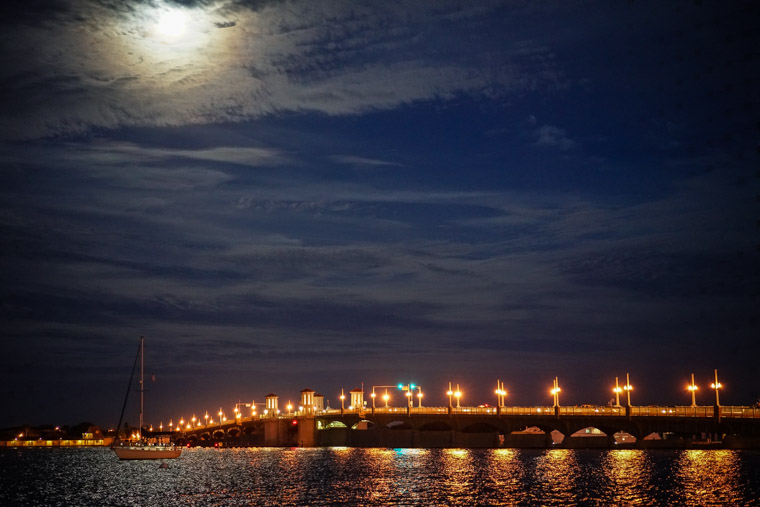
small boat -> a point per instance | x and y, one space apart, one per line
141 448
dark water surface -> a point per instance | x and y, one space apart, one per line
342 476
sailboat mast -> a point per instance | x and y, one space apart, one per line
142 363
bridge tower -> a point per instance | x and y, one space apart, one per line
357 399
319 402
272 402
307 401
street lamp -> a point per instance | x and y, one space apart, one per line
385 396
342 399
628 388
617 390
409 388
419 396
450 393
717 386
206 417
555 392
500 393
693 388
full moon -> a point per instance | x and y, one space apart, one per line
172 23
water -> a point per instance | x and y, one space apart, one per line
343 476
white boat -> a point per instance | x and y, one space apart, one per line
147 452
141 449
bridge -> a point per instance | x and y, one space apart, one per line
587 426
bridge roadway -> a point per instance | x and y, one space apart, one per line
735 427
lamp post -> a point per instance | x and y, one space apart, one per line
342 400
409 392
693 388
617 390
628 388
450 393
386 396
457 395
419 396
717 386
500 393
555 392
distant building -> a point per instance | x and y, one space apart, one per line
272 404
319 402
307 401
357 398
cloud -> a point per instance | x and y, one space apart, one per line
92 64
554 137
362 161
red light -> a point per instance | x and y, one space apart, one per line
295 422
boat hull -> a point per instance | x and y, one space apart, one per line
148 452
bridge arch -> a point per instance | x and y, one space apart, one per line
363 425
436 426
481 427
333 424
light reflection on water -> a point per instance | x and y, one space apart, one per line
710 477
343 476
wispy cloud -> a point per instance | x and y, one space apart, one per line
121 71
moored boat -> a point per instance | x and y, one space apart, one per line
140 448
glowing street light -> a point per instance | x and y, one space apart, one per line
206 417
555 392
290 407
342 399
628 388
500 393
717 386
419 396
374 396
693 388
617 390
450 393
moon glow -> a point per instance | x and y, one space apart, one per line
172 23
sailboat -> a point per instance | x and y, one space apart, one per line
142 449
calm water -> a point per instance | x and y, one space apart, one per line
339 476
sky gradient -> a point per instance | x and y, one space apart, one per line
292 194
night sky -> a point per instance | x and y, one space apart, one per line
292 194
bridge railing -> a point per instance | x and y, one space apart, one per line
737 412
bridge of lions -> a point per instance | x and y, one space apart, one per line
471 427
